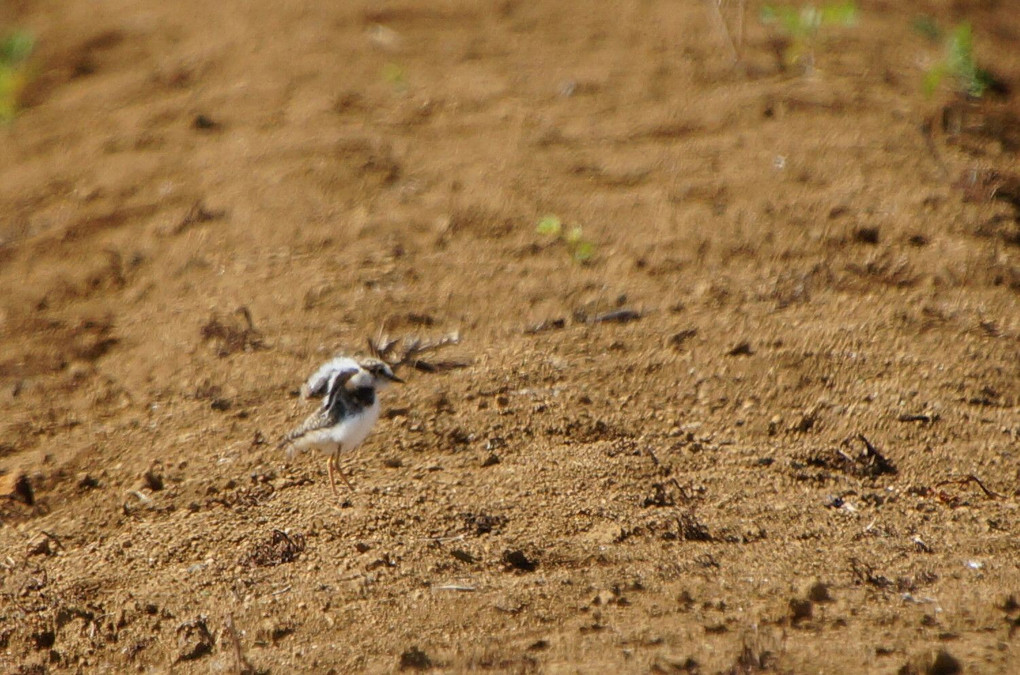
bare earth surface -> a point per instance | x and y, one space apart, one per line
772 425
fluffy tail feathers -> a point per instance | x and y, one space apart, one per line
288 443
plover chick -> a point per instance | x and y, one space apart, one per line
349 410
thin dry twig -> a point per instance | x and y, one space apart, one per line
928 132
655 460
405 351
720 23
970 478
741 6
53 538
456 587
242 666
444 539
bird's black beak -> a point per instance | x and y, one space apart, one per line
393 377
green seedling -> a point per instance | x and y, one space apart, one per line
395 75
957 64
802 26
581 250
15 51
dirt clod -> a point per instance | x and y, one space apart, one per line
41 545
87 481
692 529
204 122
819 592
517 560
415 659
17 486
44 639
741 349
153 479
194 640
866 235
271 631
800 610
668 664
275 549
678 340
482 523
944 663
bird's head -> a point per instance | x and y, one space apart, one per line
381 372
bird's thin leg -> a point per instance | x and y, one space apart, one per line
334 468
330 464
343 475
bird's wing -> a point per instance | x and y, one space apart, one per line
336 407
319 382
327 382
320 419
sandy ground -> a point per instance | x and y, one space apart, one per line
772 424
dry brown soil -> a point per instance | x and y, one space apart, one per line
812 265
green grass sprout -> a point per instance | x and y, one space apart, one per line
957 64
581 250
550 225
395 75
15 51
802 26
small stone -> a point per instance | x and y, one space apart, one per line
40 546
194 640
945 664
517 560
866 235
800 610
153 480
87 481
677 340
44 639
271 631
805 423
16 486
819 592
415 659
741 349
204 122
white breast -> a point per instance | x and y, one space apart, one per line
345 436
355 430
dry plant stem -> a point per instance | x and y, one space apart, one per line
720 25
241 664
970 479
741 6
411 349
53 538
928 131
